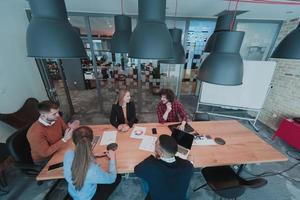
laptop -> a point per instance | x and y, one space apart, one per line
184 141
95 141
187 127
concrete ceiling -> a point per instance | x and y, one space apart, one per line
258 9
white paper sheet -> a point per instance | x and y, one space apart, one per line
204 141
148 143
138 132
108 137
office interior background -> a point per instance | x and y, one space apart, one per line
87 97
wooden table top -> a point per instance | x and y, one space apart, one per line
242 147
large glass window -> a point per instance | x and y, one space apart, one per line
198 33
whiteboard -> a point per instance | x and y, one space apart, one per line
251 94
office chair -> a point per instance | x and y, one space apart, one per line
201 117
226 183
3 156
19 149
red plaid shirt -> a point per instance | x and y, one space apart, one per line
177 113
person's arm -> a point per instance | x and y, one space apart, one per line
181 112
113 117
160 114
43 148
100 176
132 114
143 170
166 114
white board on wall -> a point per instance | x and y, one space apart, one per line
251 94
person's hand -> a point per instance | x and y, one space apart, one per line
169 107
120 127
125 128
75 124
111 154
181 126
67 135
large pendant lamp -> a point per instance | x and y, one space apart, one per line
121 36
224 65
151 38
289 47
178 51
223 24
49 33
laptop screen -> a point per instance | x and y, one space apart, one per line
183 138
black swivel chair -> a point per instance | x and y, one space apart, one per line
225 182
201 117
19 149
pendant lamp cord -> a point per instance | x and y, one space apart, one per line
122 7
175 13
234 15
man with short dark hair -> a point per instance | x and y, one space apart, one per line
49 132
170 109
165 177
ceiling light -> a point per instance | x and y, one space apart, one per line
151 38
49 33
121 36
224 65
289 47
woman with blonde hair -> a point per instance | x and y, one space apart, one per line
122 114
83 174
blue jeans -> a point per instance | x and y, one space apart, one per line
145 186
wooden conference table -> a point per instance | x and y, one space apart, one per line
242 147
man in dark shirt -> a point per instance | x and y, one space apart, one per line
165 177
170 109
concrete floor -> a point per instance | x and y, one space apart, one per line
278 187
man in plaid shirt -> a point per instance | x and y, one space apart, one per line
170 110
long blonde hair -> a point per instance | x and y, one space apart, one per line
83 156
121 96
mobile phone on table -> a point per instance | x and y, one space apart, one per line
55 166
154 131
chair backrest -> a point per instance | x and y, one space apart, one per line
201 117
18 146
27 114
223 181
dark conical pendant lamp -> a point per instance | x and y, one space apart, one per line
178 51
224 65
289 47
49 33
121 36
151 38
223 24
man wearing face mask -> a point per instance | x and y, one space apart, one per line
48 133
165 176
170 109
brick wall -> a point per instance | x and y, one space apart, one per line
283 99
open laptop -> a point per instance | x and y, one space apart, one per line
187 127
184 141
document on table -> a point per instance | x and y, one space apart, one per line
148 143
108 137
138 132
203 141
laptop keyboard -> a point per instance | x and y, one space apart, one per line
182 150
95 141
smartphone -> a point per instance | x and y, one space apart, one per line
55 166
154 131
